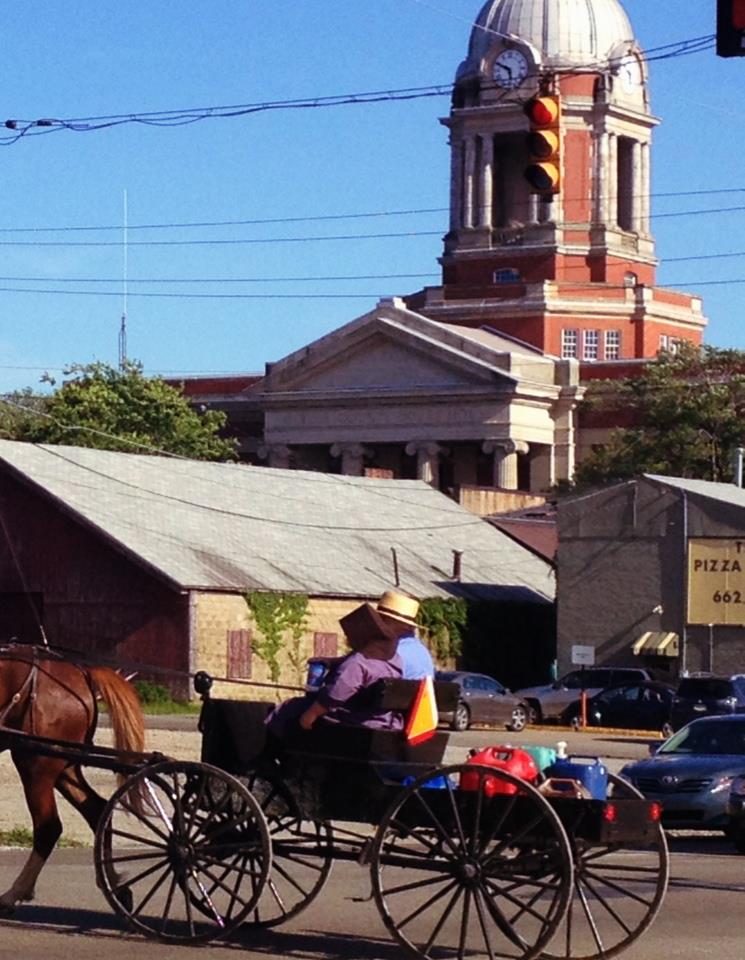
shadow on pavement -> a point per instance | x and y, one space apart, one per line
303 945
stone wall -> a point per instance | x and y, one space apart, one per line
215 616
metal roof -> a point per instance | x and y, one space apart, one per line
233 527
565 33
723 492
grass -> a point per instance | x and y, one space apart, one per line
162 707
23 837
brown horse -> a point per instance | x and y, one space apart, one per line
47 696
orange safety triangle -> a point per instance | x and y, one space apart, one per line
422 721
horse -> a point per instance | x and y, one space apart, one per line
46 695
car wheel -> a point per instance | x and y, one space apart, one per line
737 836
461 718
667 730
534 712
519 719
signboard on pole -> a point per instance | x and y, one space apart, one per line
716 581
583 656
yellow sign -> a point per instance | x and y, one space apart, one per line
716 582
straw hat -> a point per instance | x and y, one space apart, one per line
398 606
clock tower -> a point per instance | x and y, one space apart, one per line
572 273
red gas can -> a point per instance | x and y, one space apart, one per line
517 762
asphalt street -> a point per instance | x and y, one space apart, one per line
701 916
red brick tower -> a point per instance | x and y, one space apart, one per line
573 274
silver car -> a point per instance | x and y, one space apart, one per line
548 702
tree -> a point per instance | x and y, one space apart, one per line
687 414
113 409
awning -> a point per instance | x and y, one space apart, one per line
657 644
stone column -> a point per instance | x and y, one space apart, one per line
469 182
428 460
601 177
487 181
613 181
352 458
456 185
646 188
276 455
565 430
505 453
637 186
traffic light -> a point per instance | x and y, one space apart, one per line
731 28
543 171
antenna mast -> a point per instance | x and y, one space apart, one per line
125 290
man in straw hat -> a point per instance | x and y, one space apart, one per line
417 661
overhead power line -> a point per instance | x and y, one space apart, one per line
20 128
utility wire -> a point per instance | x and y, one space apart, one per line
181 117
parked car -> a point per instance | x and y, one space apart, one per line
736 813
483 700
691 774
707 695
635 706
548 702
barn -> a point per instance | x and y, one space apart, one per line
162 562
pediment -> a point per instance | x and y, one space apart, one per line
376 354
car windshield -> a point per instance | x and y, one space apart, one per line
709 689
710 738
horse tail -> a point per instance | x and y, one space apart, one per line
125 710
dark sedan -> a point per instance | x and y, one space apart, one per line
635 706
483 700
691 774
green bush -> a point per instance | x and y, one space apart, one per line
151 692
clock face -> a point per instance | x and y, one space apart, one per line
510 69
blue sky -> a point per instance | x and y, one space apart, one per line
80 58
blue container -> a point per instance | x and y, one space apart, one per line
591 772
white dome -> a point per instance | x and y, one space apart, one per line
565 33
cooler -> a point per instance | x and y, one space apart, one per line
543 756
590 772
517 762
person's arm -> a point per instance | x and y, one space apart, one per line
310 716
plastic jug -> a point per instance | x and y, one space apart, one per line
517 762
590 772
543 756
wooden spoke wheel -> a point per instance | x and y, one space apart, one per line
618 891
460 874
301 854
182 852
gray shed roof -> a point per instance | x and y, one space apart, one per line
723 492
232 527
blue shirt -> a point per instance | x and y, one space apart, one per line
416 658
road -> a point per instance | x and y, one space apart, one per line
701 916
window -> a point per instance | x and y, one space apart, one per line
569 343
669 344
239 655
612 344
590 345
325 645
507 275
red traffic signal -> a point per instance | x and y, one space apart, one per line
543 171
731 28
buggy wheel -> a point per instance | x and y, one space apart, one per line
460 874
618 891
182 852
301 854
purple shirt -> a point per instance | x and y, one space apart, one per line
346 695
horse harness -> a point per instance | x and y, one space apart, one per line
28 688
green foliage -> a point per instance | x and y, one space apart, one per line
112 409
442 622
23 837
276 615
688 414
18 412
151 692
